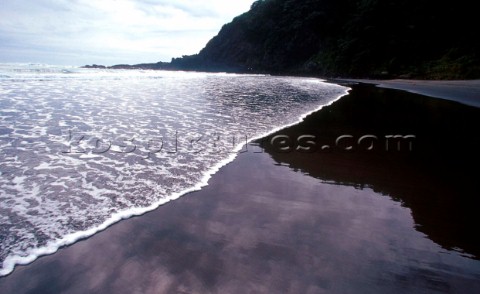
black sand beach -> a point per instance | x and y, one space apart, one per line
323 213
463 91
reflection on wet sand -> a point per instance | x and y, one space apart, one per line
273 222
435 179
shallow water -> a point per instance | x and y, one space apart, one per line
259 227
82 149
328 221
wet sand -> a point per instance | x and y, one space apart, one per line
463 91
297 214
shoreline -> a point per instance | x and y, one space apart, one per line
193 227
463 91
13 261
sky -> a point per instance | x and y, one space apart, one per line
108 32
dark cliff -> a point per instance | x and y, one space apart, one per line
347 38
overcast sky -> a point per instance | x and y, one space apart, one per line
78 32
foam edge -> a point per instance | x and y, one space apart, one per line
51 247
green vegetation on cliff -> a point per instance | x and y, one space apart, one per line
347 38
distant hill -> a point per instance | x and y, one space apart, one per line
347 38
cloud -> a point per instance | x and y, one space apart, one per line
109 31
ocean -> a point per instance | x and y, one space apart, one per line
82 149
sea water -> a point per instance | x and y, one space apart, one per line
81 149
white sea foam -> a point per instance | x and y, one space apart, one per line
87 148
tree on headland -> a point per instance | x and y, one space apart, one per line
354 38
344 38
